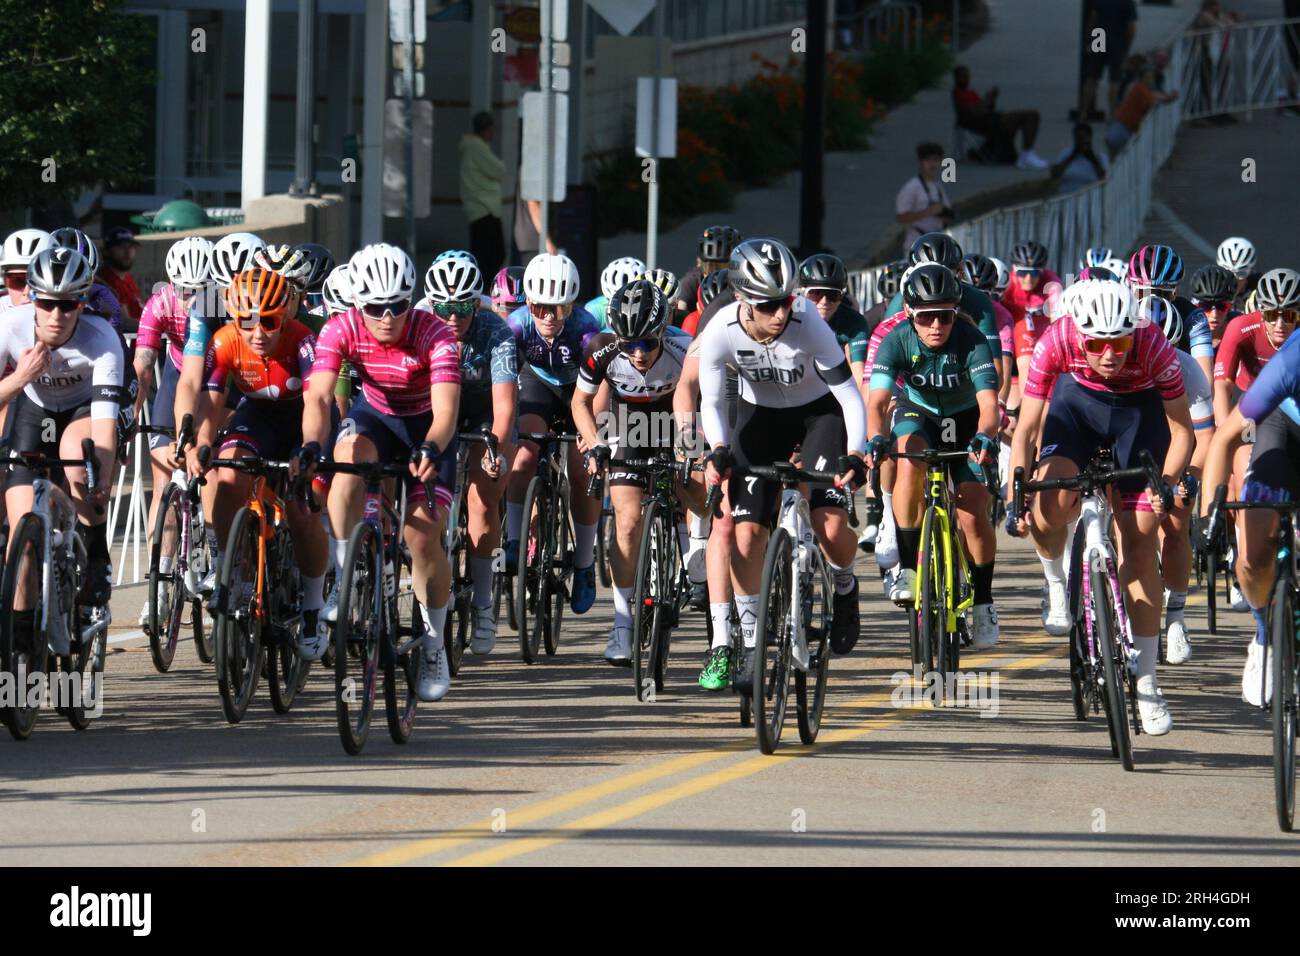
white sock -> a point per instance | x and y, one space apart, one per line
1148 649
514 519
434 621
165 564
1054 569
480 570
700 526
313 592
584 545
888 530
1175 605
622 607
340 554
747 611
696 546
844 578
720 612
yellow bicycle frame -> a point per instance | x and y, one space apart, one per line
936 486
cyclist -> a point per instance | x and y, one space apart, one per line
715 245
887 283
268 356
1112 383
640 362
1237 255
1251 340
335 299
552 335
613 277
1213 288
948 399
507 291
981 272
489 376
16 254
100 300
407 360
1028 299
1157 270
1268 409
796 389
824 281
669 286
710 286
70 367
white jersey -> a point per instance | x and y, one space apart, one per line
1200 399
605 361
799 366
86 370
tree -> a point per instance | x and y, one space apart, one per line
73 99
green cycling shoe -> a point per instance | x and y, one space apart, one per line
716 669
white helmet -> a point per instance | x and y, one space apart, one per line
1003 279
1095 256
337 291
21 246
1278 289
381 273
189 262
232 254
619 273
1102 309
59 272
454 278
1158 310
1237 255
551 280
1115 266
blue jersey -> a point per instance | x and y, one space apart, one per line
200 330
1197 339
554 362
488 355
1276 387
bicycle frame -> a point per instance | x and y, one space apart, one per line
53 508
1099 551
936 492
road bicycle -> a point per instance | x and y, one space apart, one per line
1283 619
179 559
257 604
1102 656
1210 560
545 566
46 569
379 626
460 607
604 537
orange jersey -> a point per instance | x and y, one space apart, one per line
280 376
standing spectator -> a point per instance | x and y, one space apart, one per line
922 205
1133 108
480 194
528 225
1079 165
1215 71
119 255
979 114
1117 19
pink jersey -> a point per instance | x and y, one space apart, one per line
1006 327
1152 363
1018 301
395 379
164 315
878 335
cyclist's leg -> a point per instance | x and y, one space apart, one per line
536 402
625 494
911 430
91 513
762 436
484 521
162 414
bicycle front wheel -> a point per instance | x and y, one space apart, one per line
1286 694
401 669
1113 676
286 671
23 645
771 681
560 567
166 589
1079 667
1212 562
459 615
930 582
810 687
356 637
648 601
532 581
238 630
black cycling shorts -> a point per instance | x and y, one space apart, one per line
912 419
31 426
765 436
539 397
1274 471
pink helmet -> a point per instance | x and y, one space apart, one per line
508 287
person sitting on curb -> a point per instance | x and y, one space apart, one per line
979 115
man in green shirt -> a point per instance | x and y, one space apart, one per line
480 194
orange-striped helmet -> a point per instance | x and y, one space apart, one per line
259 296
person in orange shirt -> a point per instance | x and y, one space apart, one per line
115 272
1138 101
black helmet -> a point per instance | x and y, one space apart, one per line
320 263
1213 284
937 247
716 243
1029 254
930 284
762 269
823 271
710 286
979 271
889 278
639 310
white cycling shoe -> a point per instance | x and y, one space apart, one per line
1257 676
1056 616
903 587
313 644
984 625
144 616
485 631
435 678
1237 599
330 612
1178 649
886 545
1156 719
619 649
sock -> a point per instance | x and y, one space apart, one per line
887 526
480 570
1174 607
514 519
981 579
165 564
696 547
909 542
340 555
844 578
1261 626
747 611
720 613
700 526
1054 569
584 545
96 538
434 621
622 607
1148 649
313 592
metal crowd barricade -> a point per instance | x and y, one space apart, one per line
1248 66
131 506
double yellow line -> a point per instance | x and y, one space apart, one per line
505 847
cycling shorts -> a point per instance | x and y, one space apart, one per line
912 419
30 429
539 397
1274 471
162 412
394 438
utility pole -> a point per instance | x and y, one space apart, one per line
408 70
652 211
548 123
811 200
304 151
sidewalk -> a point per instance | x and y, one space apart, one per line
1028 51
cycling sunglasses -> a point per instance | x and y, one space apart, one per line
644 346
830 295
1214 306
376 310
16 279
1286 316
269 322
1026 271
1120 345
459 309
539 311
772 306
934 316
57 305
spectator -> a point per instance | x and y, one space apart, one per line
1079 165
1214 54
115 272
1133 108
480 194
528 225
1117 19
979 115
922 205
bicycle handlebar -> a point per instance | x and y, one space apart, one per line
1089 480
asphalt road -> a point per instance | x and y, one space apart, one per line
557 763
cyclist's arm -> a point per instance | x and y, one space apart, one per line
190 396
1181 439
713 391
686 401
317 400
584 414
1024 442
1229 435
107 395
878 411
445 397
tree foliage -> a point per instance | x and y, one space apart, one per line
74 99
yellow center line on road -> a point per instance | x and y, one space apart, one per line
511 848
